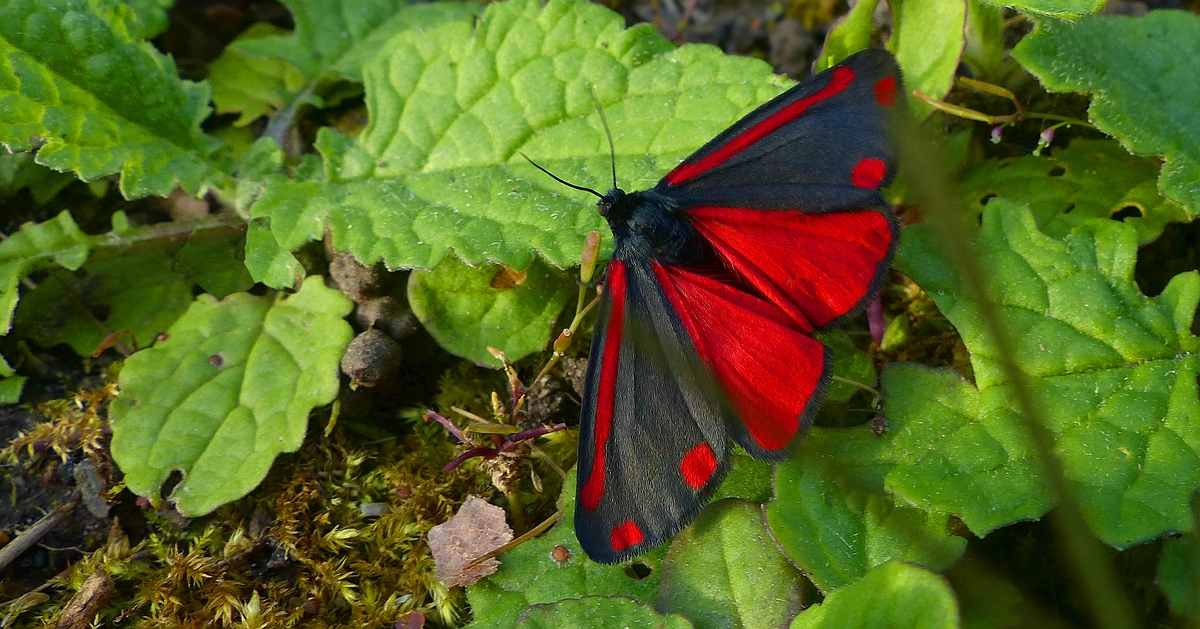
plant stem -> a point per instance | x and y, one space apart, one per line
1110 607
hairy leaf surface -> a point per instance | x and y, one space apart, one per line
227 391
1114 371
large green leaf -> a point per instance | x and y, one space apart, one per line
1141 74
470 309
724 570
529 574
37 245
1088 179
136 293
598 612
77 80
832 516
266 70
927 39
438 167
227 391
893 596
1114 371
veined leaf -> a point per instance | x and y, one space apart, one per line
1114 371
832 516
1088 179
438 167
227 391
892 595
266 71
37 245
724 570
1141 73
135 293
77 80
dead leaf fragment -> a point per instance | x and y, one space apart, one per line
477 529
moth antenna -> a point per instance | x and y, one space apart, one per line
560 179
612 152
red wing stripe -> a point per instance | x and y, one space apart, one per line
593 489
842 77
698 466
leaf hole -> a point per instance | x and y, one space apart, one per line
637 571
1057 171
1129 211
1068 207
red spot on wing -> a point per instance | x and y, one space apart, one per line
868 173
842 77
885 91
593 489
626 534
767 367
698 466
814 267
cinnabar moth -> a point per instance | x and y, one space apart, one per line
720 275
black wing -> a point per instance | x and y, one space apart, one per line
652 437
822 145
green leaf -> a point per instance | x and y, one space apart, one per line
927 39
1140 73
848 363
216 265
470 309
529 575
437 169
18 171
10 383
1113 370
984 52
749 479
227 391
833 518
37 245
893 596
850 34
332 42
98 100
1088 179
266 261
10 389
724 570
136 293
1061 8
1179 575
598 612
251 85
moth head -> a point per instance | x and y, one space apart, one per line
610 200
